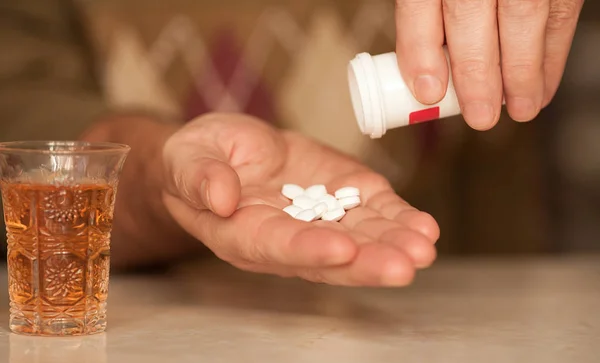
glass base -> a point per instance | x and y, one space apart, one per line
27 321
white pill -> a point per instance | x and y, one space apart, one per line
304 202
291 191
350 202
316 191
320 209
334 215
292 210
347 192
331 201
307 215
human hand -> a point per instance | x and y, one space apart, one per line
515 47
224 179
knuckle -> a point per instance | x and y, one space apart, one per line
523 8
520 72
563 13
179 181
253 247
254 252
212 238
463 10
473 68
184 189
181 184
521 68
238 254
414 6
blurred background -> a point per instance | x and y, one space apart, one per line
518 189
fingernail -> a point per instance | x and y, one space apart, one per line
428 89
205 194
479 114
522 109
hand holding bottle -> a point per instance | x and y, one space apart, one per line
518 48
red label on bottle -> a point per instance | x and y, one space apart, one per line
428 114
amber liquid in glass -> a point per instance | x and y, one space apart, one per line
58 257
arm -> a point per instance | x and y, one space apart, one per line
143 231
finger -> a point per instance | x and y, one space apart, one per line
202 177
376 265
391 206
560 30
472 37
264 234
522 28
419 42
417 246
377 194
421 222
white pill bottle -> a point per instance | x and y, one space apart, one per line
382 100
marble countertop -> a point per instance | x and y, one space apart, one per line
466 310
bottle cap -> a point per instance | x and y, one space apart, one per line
366 97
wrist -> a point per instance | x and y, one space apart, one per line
142 224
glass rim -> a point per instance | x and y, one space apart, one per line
48 147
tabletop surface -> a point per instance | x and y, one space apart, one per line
464 310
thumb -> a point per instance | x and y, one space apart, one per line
202 178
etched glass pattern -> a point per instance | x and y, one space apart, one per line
58 232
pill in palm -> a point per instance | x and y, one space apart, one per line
347 192
304 202
334 215
349 202
330 200
292 210
307 215
291 191
315 191
315 203
320 209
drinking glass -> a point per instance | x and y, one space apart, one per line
58 199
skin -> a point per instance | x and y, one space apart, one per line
218 180
515 48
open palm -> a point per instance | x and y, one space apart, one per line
226 174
